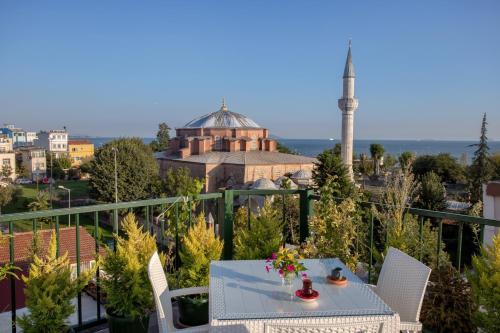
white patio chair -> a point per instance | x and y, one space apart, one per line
163 298
401 284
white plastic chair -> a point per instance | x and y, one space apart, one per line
163 298
401 284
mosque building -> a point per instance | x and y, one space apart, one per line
230 150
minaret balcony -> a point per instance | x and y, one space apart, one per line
348 104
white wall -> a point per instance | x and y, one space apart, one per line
491 210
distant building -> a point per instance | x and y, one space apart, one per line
6 145
7 159
54 142
491 208
31 137
80 151
34 161
228 149
19 136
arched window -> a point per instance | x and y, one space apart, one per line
218 143
254 143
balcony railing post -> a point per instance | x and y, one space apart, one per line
370 264
12 278
306 210
98 291
440 236
421 236
78 263
459 244
228 224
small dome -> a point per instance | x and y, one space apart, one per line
263 184
302 174
222 118
279 183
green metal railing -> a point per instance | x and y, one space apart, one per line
222 204
112 210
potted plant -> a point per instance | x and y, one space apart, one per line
129 297
448 305
259 235
49 290
485 281
200 246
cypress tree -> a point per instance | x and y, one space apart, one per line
480 170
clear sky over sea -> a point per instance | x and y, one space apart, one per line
425 69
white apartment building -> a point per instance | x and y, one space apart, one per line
491 208
33 159
31 137
7 159
54 141
6 145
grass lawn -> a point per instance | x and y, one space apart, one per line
79 190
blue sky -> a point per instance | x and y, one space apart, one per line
425 69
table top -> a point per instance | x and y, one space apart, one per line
242 289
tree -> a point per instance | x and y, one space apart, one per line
334 228
6 195
330 166
406 159
41 202
178 182
377 151
365 167
284 149
432 194
137 171
485 280
162 138
401 229
481 170
495 162
263 237
21 170
337 150
200 246
444 165
389 161
6 171
49 290
56 167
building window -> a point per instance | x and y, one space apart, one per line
6 162
254 143
218 143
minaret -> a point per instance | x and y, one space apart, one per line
348 104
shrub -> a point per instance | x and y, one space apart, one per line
485 280
127 287
448 304
200 246
264 236
402 230
334 229
49 290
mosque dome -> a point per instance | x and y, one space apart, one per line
222 119
263 184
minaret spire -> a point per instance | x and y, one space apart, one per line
348 104
223 106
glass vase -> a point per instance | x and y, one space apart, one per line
287 284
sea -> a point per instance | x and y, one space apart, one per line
312 147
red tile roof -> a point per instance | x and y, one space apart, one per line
67 243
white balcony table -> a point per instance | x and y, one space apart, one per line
244 298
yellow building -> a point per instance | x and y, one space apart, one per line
80 151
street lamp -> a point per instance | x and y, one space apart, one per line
69 201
